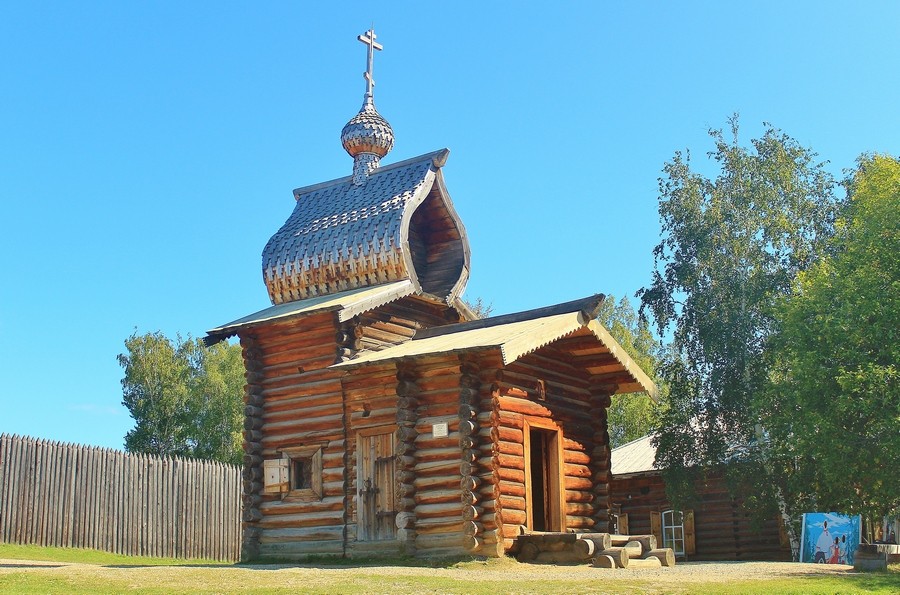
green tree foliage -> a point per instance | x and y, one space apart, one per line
631 416
833 411
185 398
732 244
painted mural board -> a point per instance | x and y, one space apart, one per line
829 538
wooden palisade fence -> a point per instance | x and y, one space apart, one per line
69 495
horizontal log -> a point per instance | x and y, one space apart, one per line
510 488
514 516
515 462
666 556
602 561
523 407
579 509
619 556
510 448
589 547
511 503
648 542
296 550
633 549
427 542
560 557
528 552
451 510
449 495
651 562
439 525
510 474
514 435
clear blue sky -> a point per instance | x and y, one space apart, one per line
148 149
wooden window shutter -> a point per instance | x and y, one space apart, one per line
275 476
623 524
656 527
690 543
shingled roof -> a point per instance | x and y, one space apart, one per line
399 224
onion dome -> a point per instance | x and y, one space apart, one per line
367 132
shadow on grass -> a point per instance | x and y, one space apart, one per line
324 562
27 565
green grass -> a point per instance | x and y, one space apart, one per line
887 583
110 573
88 556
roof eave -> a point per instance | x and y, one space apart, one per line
618 352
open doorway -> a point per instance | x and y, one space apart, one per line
543 458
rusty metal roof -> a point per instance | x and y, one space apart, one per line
635 457
344 236
347 303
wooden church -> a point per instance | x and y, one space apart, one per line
381 416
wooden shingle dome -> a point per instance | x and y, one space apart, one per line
399 225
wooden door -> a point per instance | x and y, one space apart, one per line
376 489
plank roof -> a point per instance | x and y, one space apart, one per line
516 335
346 303
637 456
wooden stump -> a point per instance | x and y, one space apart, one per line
633 549
666 556
618 554
604 562
590 547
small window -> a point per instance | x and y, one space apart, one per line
297 475
301 474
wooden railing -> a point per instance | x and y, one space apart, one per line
69 495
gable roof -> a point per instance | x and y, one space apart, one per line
398 225
635 457
516 335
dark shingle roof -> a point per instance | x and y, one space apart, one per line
342 236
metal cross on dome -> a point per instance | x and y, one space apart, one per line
368 38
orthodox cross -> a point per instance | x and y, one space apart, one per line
368 38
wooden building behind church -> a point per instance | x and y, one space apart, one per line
718 527
381 417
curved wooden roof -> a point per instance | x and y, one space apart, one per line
399 225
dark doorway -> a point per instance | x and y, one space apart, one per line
541 456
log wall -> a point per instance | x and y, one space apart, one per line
437 479
723 531
567 402
297 402
398 321
370 404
